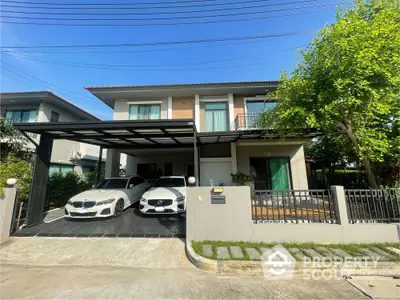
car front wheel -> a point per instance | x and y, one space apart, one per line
119 208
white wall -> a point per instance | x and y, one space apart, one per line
179 160
217 169
262 149
121 107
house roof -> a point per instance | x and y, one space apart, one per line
35 97
108 94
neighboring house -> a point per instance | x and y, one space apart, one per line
214 107
45 106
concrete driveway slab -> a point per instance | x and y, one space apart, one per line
21 282
133 252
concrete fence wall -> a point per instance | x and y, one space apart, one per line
7 202
232 221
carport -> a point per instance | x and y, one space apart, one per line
119 135
123 136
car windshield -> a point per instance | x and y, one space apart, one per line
170 182
109 184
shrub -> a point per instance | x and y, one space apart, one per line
11 167
241 178
62 187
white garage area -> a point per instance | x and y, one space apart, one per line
216 169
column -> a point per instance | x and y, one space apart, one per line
231 112
40 176
234 158
339 200
169 112
131 165
112 163
197 112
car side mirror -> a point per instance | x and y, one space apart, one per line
131 185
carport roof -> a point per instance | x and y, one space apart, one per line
136 134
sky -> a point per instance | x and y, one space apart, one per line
67 70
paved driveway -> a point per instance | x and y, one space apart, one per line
130 224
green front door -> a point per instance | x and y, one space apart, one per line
279 173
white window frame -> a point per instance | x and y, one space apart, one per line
144 103
222 99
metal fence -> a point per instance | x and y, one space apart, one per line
247 121
293 206
375 206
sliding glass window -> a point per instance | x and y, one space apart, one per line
216 116
145 112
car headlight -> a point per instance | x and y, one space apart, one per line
180 199
69 202
143 200
103 202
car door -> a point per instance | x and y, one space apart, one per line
138 188
131 190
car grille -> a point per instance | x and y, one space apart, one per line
160 202
85 204
88 214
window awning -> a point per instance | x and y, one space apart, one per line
139 134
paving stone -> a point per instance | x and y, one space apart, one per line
395 250
263 250
374 255
341 253
253 253
325 252
236 252
223 253
207 250
382 252
297 253
312 253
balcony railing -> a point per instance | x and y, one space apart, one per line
247 121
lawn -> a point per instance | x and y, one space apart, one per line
352 249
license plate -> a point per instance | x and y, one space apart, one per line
159 209
82 210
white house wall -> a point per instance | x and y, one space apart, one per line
179 160
295 152
121 107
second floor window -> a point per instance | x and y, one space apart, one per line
216 116
145 112
54 117
21 116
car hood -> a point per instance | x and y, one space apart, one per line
96 195
165 193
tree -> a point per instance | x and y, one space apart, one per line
348 83
330 151
12 142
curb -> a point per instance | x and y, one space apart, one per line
229 267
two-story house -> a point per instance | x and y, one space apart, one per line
215 108
45 106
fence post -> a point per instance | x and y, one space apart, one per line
7 203
339 200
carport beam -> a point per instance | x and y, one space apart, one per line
196 158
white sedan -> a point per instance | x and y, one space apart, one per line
166 196
109 198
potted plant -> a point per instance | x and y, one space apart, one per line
242 179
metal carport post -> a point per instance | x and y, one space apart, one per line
40 176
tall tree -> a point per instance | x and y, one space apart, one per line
12 142
349 82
